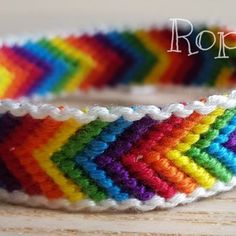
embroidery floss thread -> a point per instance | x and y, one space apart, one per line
120 158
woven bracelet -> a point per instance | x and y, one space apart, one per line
98 158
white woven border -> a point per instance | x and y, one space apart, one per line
21 108
156 202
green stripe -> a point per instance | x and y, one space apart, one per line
72 64
65 162
198 153
148 57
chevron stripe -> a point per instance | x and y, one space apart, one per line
97 146
21 170
106 161
43 156
70 65
6 78
198 150
7 180
63 159
220 151
120 159
85 63
66 64
159 54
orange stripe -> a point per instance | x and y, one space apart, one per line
36 139
157 160
19 75
10 144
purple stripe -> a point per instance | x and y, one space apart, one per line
231 143
42 65
7 123
127 60
7 180
109 160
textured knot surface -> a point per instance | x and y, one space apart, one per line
100 158
141 164
80 60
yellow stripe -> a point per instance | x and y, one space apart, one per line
222 79
185 163
86 63
162 58
5 80
43 155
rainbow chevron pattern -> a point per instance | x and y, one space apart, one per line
57 64
117 160
146 162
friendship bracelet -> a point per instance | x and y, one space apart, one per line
115 157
